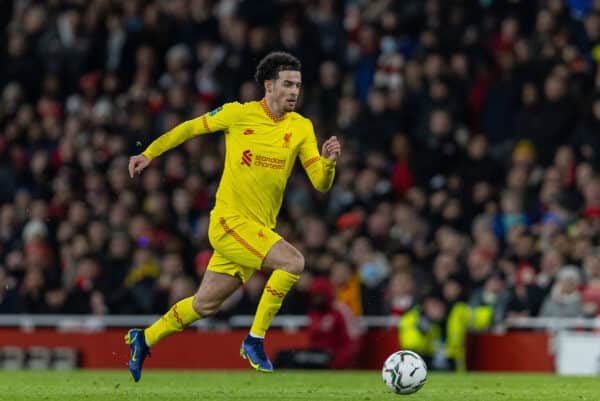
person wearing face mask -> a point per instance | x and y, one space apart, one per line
488 303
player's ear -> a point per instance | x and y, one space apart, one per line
268 86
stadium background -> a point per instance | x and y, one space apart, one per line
468 174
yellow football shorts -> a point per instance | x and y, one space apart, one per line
240 244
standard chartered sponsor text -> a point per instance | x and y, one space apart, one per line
269 162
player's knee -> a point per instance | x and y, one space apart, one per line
295 263
197 305
205 308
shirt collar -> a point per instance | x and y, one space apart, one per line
263 104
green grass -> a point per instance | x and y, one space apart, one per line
285 385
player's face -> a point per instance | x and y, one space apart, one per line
286 89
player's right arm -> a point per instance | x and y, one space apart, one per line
217 120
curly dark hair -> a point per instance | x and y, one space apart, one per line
272 63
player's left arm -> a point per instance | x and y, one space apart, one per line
320 168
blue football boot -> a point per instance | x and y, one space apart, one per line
253 350
139 351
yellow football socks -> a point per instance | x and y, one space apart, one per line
176 319
275 290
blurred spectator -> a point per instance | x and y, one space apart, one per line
373 270
346 284
32 292
8 293
422 330
526 297
334 333
565 299
400 294
488 303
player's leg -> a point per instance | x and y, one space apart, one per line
287 263
214 290
253 246
216 287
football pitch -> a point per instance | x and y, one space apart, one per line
286 385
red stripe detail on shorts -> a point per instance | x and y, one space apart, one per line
239 239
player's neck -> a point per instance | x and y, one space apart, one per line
277 112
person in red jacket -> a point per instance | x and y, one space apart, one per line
332 326
334 333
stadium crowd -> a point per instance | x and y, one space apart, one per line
471 135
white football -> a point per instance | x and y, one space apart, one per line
404 372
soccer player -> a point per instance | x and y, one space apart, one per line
262 140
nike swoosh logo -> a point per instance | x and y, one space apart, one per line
133 357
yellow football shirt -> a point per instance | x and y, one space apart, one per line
261 150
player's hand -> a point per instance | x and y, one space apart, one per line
137 164
332 148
